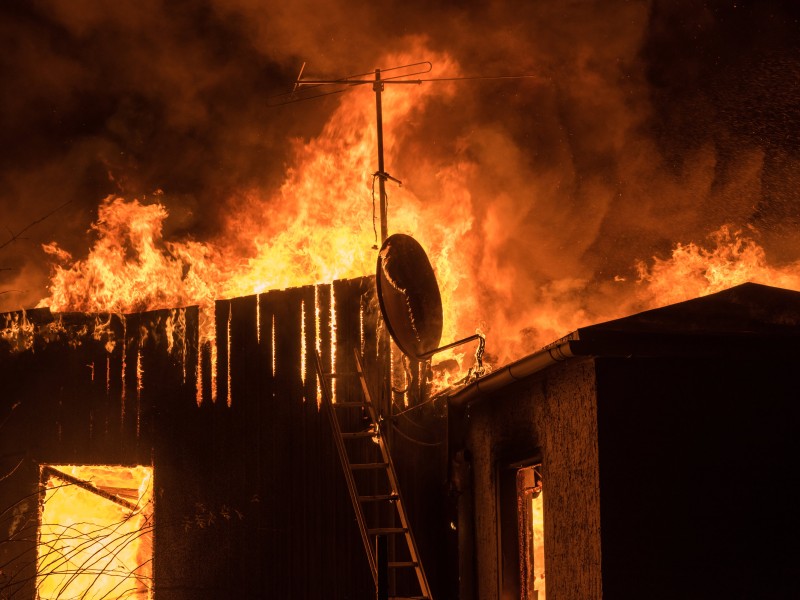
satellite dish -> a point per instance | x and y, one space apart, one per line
409 296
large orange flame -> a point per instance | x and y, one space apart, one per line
95 539
318 226
692 270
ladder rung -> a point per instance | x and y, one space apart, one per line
364 466
379 498
403 565
359 434
380 530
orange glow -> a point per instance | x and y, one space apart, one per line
317 226
537 527
692 270
95 544
320 227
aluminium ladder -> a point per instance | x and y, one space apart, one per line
391 501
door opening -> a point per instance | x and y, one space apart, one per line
95 532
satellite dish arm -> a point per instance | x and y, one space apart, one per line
477 336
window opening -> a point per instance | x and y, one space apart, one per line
530 513
95 533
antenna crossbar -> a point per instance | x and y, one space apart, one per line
378 80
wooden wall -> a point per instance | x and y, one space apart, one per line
250 497
551 417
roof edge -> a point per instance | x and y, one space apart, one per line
520 369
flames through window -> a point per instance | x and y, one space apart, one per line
95 532
530 514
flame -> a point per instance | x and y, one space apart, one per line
18 331
318 226
89 545
692 270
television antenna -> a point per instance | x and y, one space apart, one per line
308 89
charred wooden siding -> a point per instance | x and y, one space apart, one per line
250 498
552 418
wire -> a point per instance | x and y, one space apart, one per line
416 406
413 440
479 77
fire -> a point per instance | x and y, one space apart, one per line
318 226
95 536
693 270
130 268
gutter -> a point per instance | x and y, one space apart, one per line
556 353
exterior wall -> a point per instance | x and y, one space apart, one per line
552 416
250 497
698 476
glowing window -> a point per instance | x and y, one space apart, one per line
95 533
530 512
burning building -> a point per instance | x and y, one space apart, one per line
239 490
647 456
650 158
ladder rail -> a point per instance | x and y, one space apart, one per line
394 483
348 474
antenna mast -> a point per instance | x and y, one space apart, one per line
381 174
378 84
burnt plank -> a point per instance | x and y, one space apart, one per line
222 319
130 382
244 441
181 455
151 377
274 560
191 390
347 301
218 476
75 400
329 468
288 410
108 378
308 426
263 503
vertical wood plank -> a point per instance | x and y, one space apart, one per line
244 443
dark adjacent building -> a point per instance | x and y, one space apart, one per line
667 444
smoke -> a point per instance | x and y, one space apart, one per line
647 124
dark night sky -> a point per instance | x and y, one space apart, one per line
661 120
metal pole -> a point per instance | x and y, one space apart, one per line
378 87
386 406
